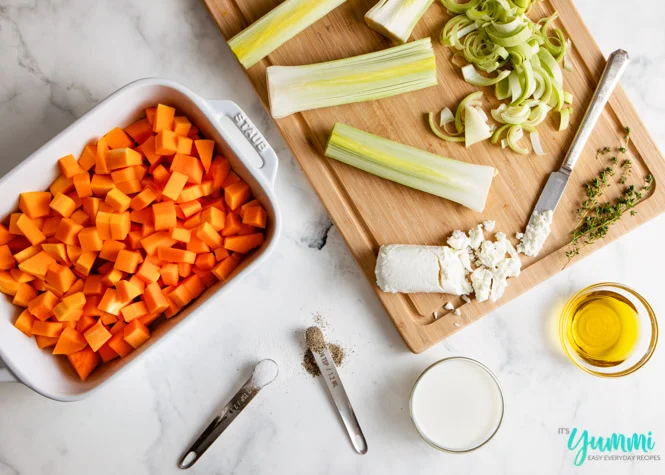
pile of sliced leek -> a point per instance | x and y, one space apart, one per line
521 58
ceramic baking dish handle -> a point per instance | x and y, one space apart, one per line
251 143
6 376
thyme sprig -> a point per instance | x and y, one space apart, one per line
596 217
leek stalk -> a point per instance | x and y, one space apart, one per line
464 183
367 77
396 19
277 27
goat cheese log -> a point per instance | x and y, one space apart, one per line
407 268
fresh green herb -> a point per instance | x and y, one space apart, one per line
602 151
594 191
626 171
596 218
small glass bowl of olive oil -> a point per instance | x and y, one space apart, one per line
608 330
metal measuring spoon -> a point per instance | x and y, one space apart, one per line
265 372
326 364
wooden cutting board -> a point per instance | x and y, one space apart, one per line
370 211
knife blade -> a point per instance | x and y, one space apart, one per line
557 181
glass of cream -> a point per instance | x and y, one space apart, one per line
457 405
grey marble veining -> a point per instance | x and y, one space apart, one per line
58 58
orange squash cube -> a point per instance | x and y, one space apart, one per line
170 254
237 194
154 298
37 265
24 294
60 277
118 200
127 261
147 148
184 145
129 187
205 149
88 157
35 204
164 215
188 166
180 234
174 185
84 362
181 126
140 131
143 199
118 138
110 249
122 157
24 323
205 261
70 341
163 119
90 240
119 225
49 329
101 184
166 143
63 205
85 262
136 333
208 235
224 268
135 310
97 335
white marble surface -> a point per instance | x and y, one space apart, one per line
58 58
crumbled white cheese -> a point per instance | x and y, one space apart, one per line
489 225
509 267
458 240
491 253
535 235
457 312
449 306
476 237
452 271
465 259
466 299
481 279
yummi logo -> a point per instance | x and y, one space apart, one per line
250 132
615 447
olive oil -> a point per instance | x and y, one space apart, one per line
604 328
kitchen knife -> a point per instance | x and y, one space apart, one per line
556 183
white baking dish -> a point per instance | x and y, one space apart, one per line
252 159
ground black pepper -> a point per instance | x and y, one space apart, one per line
316 342
314 339
310 365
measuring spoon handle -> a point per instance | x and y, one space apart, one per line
227 415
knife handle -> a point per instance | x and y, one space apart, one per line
616 65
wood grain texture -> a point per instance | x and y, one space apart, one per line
370 211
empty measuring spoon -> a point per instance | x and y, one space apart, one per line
265 372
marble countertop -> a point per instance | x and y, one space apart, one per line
59 58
